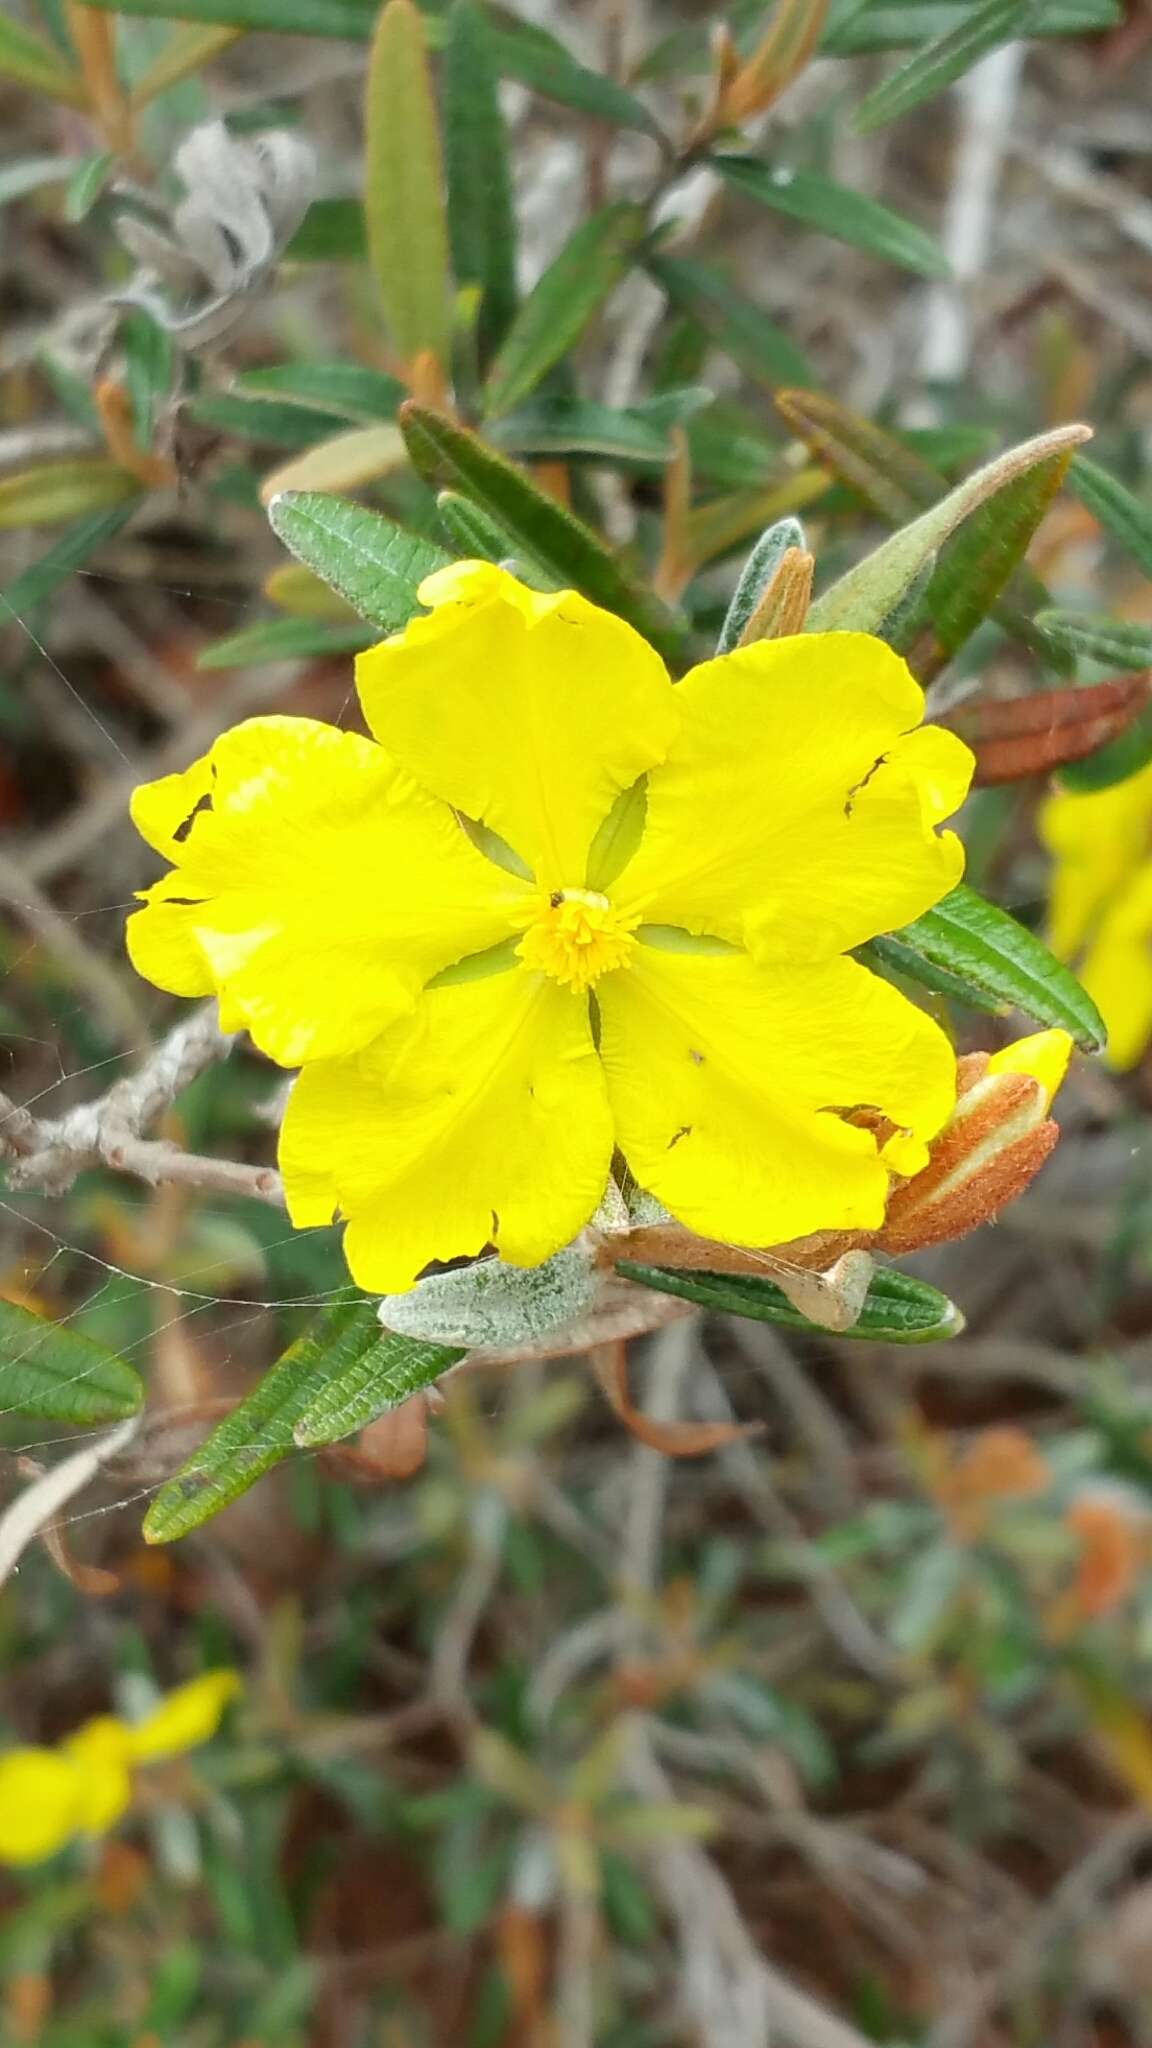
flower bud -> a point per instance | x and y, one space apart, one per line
996 1141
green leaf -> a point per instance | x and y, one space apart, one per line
836 210
753 341
903 23
58 1375
898 1309
76 545
263 420
258 1434
940 62
977 564
378 1379
286 640
536 58
332 231
35 64
755 577
994 961
474 535
149 365
864 598
577 427
346 390
563 301
57 491
352 18
1115 643
404 188
374 565
86 184
1122 514
546 532
481 219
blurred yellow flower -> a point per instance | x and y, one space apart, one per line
564 907
48 1797
1101 903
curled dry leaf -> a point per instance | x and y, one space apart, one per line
393 1447
1029 735
609 1363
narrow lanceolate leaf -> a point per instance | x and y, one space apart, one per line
56 491
1094 636
294 17
561 304
35 64
789 42
76 545
864 598
374 565
378 1379
1055 728
59 1375
935 66
481 218
538 59
978 563
999 964
1122 514
404 192
897 1310
476 536
580 428
748 335
346 390
836 210
258 1434
755 578
286 640
901 24
899 482
550 535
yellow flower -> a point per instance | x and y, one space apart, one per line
50 1796
561 907
1100 912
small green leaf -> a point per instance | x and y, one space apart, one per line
755 577
1115 643
904 23
272 421
378 1379
86 184
76 545
939 63
348 391
149 366
374 565
741 329
286 640
293 17
58 1375
836 210
563 301
57 491
898 1309
476 537
579 428
1122 514
865 597
995 961
35 64
481 218
332 231
258 1434
979 561
404 188
536 58
547 533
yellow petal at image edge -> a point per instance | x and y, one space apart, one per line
40 1804
724 1078
317 892
481 1119
795 813
529 712
1099 838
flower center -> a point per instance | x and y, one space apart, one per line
576 936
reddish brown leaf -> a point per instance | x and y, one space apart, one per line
1029 735
675 1439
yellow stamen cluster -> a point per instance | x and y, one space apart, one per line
576 936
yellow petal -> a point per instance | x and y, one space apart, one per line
101 1754
40 1803
316 889
725 1080
795 813
1098 840
185 1718
1043 1054
528 712
482 1119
